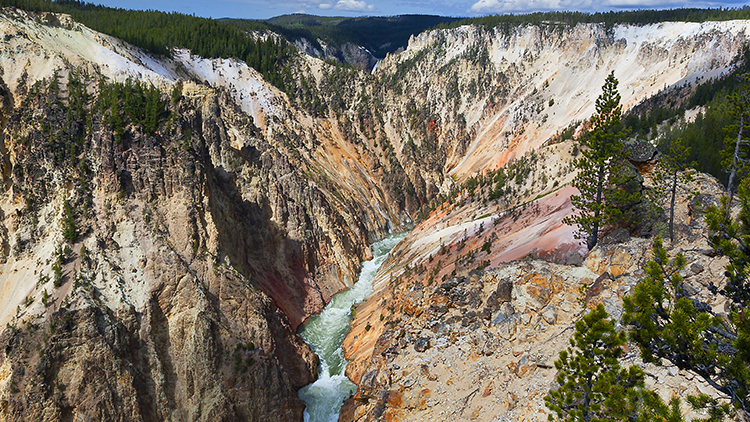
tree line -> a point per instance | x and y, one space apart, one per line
608 19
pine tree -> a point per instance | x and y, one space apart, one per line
731 238
115 120
593 385
667 324
70 232
601 148
736 148
176 93
154 109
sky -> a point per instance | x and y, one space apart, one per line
263 9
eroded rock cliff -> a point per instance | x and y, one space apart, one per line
160 249
144 293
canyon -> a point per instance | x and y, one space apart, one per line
200 244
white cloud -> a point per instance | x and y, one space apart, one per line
325 6
354 6
521 6
650 3
507 6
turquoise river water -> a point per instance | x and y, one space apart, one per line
326 331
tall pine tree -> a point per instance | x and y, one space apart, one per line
601 149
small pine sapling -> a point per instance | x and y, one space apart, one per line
668 324
592 384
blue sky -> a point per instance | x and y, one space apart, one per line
262 9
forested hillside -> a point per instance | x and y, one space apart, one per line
380 35
633 17
699 115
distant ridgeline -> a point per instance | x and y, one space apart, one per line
379 35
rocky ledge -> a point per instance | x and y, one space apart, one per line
483 346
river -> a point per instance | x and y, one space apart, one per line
326 331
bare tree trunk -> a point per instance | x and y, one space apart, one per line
735 158
594 236
586 397
671 206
